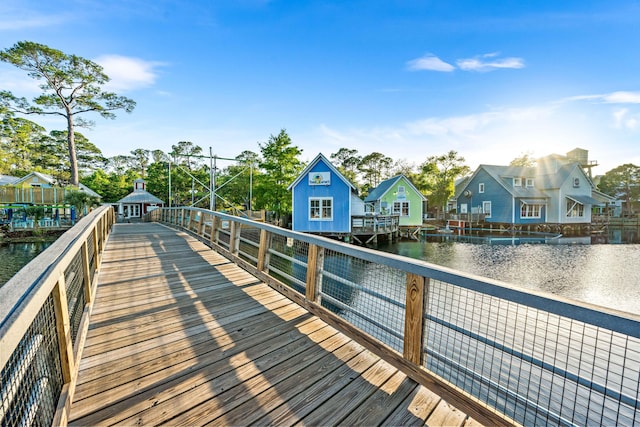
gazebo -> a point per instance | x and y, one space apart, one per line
138 203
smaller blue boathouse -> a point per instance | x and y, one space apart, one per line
324 200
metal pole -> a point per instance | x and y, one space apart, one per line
251 186
213 190
211 195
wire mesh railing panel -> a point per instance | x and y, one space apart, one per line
31 381
288 261
535 367
224 236
249 244
76 300
369 296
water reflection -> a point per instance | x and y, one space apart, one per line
15 255
602 274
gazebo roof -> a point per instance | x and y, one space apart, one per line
140 196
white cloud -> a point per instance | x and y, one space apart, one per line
481 63
17 81
127 74
429 62
623 119
622 98
619 97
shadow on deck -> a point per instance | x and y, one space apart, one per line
181 335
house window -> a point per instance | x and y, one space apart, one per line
517 182
486 209
530 210
401 208
574 209
529 182
321 209
481 187
576 182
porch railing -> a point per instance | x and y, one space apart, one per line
44 313
371 224
528 357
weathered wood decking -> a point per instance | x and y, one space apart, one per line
180 335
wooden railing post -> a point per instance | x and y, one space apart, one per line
214 227
63 327
201 224
315 263
192 214
414 318
86 271
263 250
234 238
96 249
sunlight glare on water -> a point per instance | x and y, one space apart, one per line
606 275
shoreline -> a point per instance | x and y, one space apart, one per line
30 236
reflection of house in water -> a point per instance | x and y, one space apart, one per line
138 203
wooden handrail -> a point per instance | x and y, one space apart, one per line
24 295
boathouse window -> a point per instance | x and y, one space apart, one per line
486 209
481 187
576 182
530 210
401 208
575 209
321 208
529 182
517 182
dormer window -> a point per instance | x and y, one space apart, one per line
517 182
576 182
529 182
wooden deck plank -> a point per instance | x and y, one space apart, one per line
415 409
446 415
180 335
382 402
118 372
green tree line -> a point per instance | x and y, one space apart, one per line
72 86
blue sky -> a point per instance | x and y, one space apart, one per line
410 79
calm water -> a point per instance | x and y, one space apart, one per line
14 256
603 274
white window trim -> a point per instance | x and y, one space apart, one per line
484 211
531 216
401 203
321 200
481 187
529 182
517 182
575 207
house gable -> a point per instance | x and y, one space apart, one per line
398 196
322 199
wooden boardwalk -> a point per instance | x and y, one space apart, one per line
181 336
